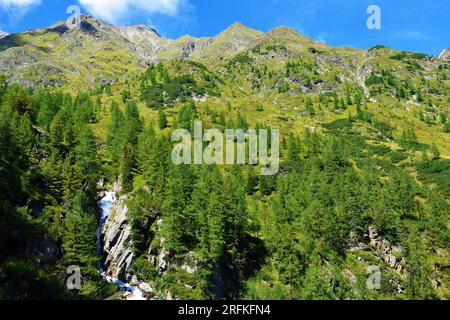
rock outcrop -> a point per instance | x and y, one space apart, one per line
118 247
391 255
445 54
147 290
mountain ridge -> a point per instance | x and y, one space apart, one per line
103 53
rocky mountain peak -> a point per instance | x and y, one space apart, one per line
3 34
140 31
235 38
92 25
145 28
140 37
238 27
87 22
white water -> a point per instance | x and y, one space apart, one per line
106 204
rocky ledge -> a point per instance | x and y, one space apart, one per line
117 243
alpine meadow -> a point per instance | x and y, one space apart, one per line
322 172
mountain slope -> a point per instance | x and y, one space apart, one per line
242 66
363 179
100 53
94 54
226 44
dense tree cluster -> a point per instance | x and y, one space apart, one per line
305 233
160 90
49 174
287 236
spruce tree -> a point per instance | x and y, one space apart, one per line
79 240
87 159
293 148
127 167
419 286
177 228
133 123
162 120
116 133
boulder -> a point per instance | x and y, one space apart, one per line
147 290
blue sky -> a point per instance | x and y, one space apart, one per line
413 25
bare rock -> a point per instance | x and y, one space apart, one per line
390 254
190 263
118 246
147 290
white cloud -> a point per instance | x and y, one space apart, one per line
412 35
116 10
16 9
18 3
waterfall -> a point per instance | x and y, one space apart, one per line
106 204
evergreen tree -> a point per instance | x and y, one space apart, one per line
128 164
116 133
18 100
293 148
87 158
207 208
79 241
435 151
73 180
236 215
419 277
155 164
3 85
162 120
133 123
26 138
317 284
176 230
252 180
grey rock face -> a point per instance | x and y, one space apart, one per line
118 246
